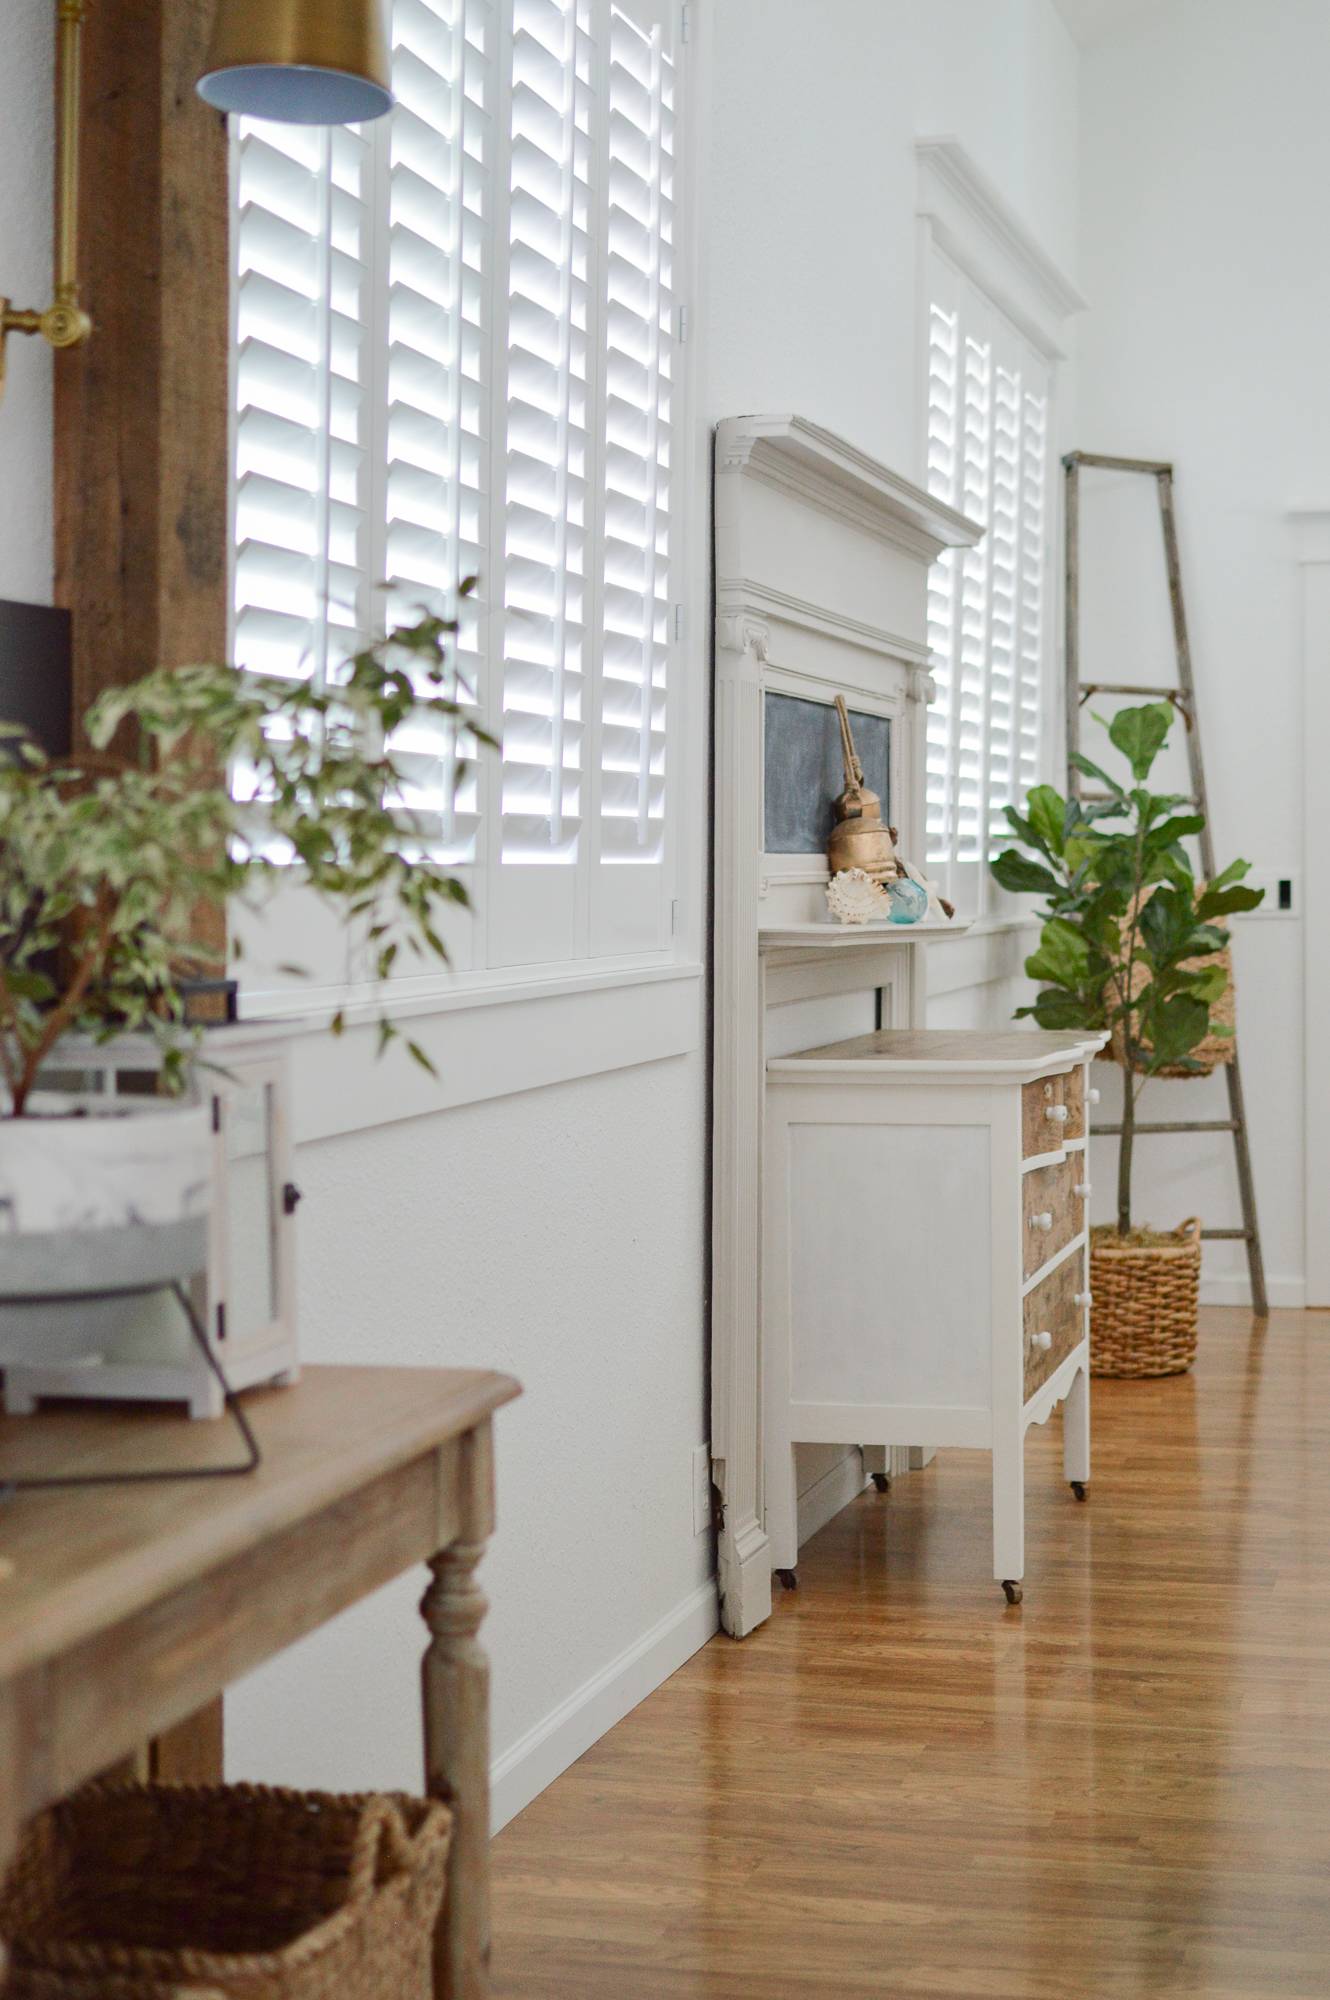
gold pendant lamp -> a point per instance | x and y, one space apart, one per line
300 62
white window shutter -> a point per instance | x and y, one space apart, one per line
541 566
638 494
440 201
301 411
988 435
455 357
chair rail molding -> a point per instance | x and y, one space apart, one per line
822 558
981 232
1311 545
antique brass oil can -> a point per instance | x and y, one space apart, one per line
859 839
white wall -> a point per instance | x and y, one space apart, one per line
811 188
26 96
557 1235
1206 155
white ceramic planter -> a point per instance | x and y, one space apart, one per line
99 1202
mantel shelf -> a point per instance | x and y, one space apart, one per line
836 937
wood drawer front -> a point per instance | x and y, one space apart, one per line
1073 1096
1051 1308
1051 1191
1039 1132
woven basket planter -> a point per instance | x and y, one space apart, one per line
225 1892
1146 1294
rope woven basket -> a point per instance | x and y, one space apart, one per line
225 1892
1146 1292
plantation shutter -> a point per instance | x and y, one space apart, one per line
455 358
639 318
544 484
440 196
987 454
301 304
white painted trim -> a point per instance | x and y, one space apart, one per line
561 1737
981 232
1311 531
834 477
1285 1294
824 1499
340 1084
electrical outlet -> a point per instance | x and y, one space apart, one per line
701 1488
1283 896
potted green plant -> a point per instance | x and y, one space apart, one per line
108 865
1131 942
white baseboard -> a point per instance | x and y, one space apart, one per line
557 1741
1284 1293
827 1495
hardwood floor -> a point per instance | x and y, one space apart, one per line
899 1787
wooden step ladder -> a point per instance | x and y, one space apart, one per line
1183 698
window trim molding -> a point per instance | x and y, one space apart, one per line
981 232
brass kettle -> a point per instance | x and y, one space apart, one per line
859 839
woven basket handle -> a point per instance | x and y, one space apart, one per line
383 1849
1190 1229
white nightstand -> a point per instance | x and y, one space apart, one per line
925 1256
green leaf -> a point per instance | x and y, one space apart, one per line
1217 902
1056 1009
1209 984
1023 876
1089 770
1046 811
1139 734
1063 957
417 1054
1174 1029
1233 873
1180 827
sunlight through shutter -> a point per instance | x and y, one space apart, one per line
988 440
301 414
440 198
455 356
637 443
545 495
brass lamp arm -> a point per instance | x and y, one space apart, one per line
64 322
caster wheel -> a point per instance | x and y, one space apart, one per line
882 1481
1014 1591
788 1579
1078 1488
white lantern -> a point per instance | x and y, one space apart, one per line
105 1318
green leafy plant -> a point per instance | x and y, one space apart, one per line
1130 937
108 863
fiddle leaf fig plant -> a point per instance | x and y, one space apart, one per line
1130 939
109 862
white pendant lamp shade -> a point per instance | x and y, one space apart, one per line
300 62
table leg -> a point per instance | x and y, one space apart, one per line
456 1693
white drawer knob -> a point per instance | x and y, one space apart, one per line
1094 1095
1057 1112
1044 1221
1043 1341
1083 1299
1084 1189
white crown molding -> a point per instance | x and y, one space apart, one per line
979 230
837 478
758 605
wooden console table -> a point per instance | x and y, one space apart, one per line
125 1609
